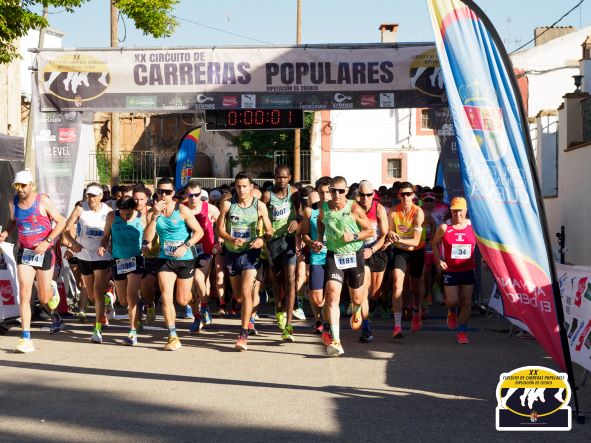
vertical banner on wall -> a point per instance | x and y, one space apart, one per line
185 158
498 170
61 141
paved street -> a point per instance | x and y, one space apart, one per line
425 387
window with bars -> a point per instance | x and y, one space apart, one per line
394 168
425 120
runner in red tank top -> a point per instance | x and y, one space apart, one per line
33 214
206 215
457 264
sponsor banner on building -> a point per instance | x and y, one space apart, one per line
9 301
61 141
496 161
311 77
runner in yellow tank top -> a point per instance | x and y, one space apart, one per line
408 240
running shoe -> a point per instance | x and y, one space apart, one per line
251 329
130 340
241 343
151 314
109 308
417 322
189 313
299 314
326 337
196 326
335 349
24 346
366 336
397 332
172 344
452 320
462 338
57 324
318 328
206 316
54 301
356 319
81 316
287 334
281 320
96 337
139 327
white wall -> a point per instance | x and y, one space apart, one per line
53 39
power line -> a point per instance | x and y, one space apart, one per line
549 27
221 30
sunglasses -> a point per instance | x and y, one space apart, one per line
194 195
18 186
361 194
165 191
337 190
406 194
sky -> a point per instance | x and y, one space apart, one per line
261 22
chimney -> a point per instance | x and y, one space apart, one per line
585 64
543 34
389 33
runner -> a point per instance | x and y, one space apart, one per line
376 260
429 268
346 226
237 226
178 231
407 235
206 215
309 233
285 214
148 284
458 266
124 229
90 217
33 215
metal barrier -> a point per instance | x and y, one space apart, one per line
133 166
286 158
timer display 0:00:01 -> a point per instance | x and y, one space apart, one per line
255 119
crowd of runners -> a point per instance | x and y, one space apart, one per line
350 249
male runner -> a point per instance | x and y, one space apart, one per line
33 214
458 265
178 231
346 227
237 226
406 254
285 214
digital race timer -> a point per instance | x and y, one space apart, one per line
254 119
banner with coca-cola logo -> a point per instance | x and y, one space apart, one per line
9 302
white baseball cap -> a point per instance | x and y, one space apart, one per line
23 177
94 190
204 195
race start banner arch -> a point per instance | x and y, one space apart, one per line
292 77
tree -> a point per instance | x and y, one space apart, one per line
17 17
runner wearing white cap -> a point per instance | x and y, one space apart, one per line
38 223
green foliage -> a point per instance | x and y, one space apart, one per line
103 166
17 18
128 167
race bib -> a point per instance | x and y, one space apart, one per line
94 232
346 261
31 258
280 212
170 246
242 232
461 251
198 249
125 265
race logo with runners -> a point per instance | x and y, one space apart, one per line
76 77
533 398
425 74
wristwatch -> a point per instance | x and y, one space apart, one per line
48 239
187 244
355 237
145 242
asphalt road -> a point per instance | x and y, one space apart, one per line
423 388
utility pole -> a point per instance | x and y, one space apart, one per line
296 147
115 123
29 154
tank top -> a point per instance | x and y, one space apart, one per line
242 223
458 249
281 213
336 223
33 227
439 213
316 258
173 232
372 215
126 236
205 245
404 226
92 228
